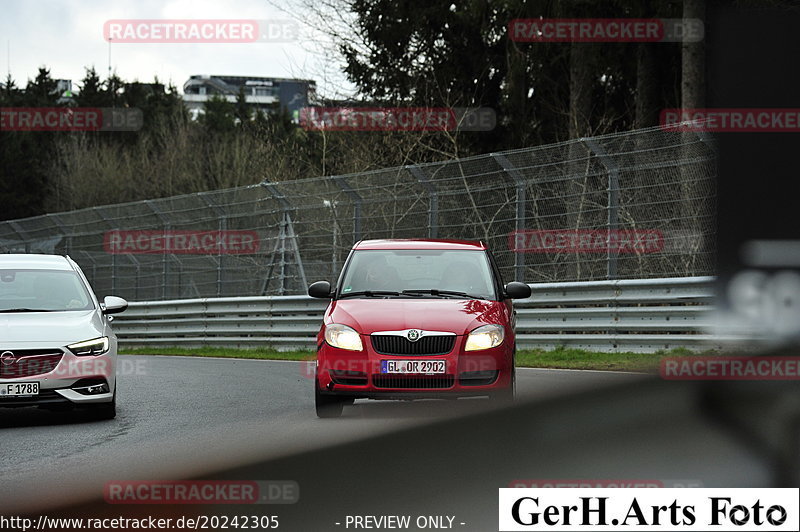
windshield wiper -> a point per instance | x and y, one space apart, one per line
25 310
437 292
378 293
371 293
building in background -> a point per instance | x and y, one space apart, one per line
264 94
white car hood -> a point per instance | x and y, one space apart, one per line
49 329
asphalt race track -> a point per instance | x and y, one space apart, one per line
181 417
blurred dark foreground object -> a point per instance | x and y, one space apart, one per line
722 434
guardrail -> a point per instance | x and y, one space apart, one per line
642 315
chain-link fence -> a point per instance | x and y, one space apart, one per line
630 205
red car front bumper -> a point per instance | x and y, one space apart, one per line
358 374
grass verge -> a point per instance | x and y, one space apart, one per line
568 358
562 358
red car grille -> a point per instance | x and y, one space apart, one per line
399 345
28 362
409 382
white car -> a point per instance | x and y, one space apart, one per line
57 349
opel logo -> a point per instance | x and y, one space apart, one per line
413 335
8 358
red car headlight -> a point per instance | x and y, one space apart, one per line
485 337
343 337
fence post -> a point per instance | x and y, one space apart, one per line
138 267
164 260
357 201
221 227
285 207
60 224
93 277
433 196
102 215
180 274
520 221
285 231
613 201
19 230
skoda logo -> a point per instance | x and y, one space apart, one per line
8 358
413 335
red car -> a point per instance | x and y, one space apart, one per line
413 319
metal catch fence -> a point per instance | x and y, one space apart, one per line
623 206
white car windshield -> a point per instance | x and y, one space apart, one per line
419 271
42 291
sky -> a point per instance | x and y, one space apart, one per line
67 36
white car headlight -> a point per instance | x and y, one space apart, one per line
485 337
343 337
98 346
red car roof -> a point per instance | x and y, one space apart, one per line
419 244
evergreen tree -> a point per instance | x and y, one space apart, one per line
219 115
243 114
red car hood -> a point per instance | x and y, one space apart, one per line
449 315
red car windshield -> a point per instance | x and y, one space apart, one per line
464 271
